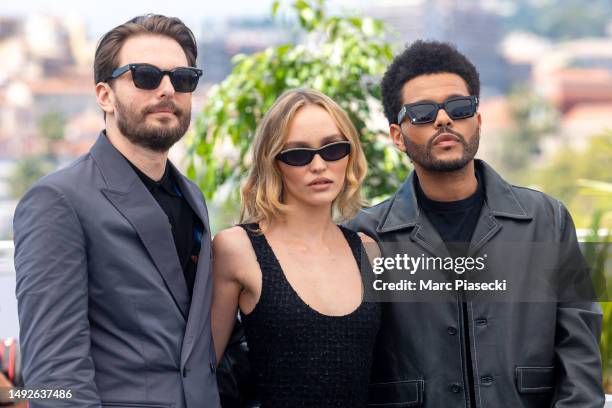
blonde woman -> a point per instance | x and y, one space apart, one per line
292 272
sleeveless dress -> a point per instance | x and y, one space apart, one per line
300 357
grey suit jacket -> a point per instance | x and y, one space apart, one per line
102 299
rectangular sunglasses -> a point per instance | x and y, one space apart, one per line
459 107
147 76
301 156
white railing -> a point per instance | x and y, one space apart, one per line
601 233
6 258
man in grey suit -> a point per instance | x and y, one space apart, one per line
112 253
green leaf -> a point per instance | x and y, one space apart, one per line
275 6
342 56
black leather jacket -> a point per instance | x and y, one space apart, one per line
524 354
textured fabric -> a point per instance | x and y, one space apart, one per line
300 357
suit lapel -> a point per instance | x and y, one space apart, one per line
154 230
131 198
199 315
485 230
500 202
404 213
426 236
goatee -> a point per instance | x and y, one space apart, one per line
158 138
423 154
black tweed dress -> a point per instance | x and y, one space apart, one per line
300 357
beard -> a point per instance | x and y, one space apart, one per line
423 154
158 138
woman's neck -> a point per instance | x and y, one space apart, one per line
308 224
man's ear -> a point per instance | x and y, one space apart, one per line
397 137
105 97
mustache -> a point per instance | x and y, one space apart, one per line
445 129
164 105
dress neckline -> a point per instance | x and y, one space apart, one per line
277 264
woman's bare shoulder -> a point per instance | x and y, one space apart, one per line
232 252
230 241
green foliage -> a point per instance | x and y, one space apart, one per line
26 172
579 178
51 127
605 345
532 119
595 187
342 57
597 256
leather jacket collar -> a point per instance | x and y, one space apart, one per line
403 211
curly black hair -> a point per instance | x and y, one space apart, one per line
422 58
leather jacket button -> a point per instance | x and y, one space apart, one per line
486 380
456 388
451 330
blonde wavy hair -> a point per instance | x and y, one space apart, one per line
262 193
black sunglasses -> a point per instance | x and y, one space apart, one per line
459 107
147 76
301 156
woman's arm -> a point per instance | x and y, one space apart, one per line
227 248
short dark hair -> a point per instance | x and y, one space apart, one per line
423 58
110 44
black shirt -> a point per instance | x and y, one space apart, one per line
186 225
455 222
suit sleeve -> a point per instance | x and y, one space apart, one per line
52 298
579 371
